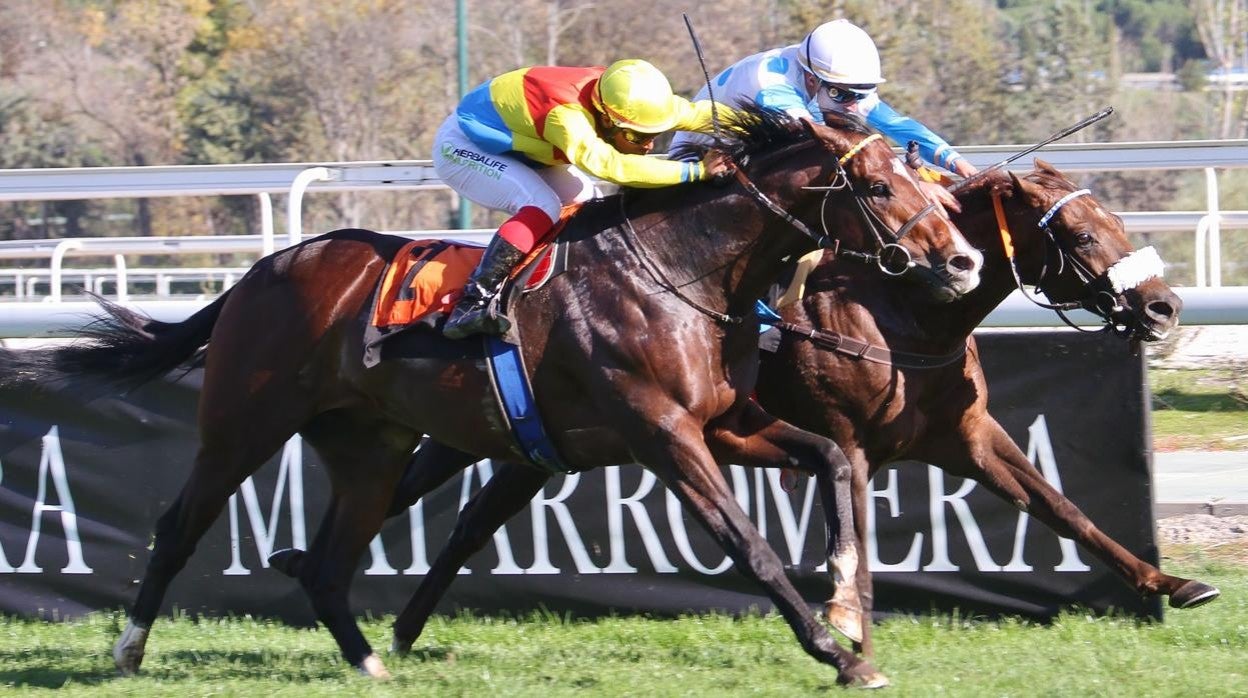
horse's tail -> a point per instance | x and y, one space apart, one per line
122 351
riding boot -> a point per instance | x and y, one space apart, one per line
474 314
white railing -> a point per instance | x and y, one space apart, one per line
297 179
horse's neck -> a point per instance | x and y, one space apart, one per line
859 302
980 227
725 250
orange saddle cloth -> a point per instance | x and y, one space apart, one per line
427 277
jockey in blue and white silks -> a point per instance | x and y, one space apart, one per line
836 68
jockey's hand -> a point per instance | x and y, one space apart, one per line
719 166
941 195
963 167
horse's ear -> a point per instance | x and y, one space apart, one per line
1046 168
1031 192
1006 186
809 126
829 136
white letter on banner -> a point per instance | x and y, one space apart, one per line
940 537
5 567
676 522
616 503
793 528
416 526
1040 452
51 462
541 542
889 494
291 468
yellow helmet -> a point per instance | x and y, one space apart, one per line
637 96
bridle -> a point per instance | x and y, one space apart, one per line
887 241
1101 291
839 181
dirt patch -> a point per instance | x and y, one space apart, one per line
1205 537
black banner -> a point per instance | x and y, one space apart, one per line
81 487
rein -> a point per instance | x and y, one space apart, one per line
841 181
634 245
858 349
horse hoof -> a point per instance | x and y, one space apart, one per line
287 561
864 676
128 652
400 647
847 621
1193 594
373 668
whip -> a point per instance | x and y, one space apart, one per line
1055 137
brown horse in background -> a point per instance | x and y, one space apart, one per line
883 411
644 351
928 404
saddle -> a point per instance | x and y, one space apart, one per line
425 279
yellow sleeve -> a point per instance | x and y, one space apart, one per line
571 129
697 115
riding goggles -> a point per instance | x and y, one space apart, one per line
636 137
843 94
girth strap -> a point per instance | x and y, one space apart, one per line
515 395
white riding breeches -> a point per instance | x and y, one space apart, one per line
505 182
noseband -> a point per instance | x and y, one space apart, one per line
887 241
1101 291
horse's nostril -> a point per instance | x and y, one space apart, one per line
961 262
1160 309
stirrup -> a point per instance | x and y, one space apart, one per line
479 319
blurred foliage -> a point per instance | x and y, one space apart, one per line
168 82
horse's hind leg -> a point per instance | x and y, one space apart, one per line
433 464
221 465
364 455
751 436
685 465
507 492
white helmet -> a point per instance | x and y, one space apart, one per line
841 53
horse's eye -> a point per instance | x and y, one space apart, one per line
878 189
1083 239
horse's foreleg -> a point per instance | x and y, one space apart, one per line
507 492
688 469
751 436
1004 469
433 464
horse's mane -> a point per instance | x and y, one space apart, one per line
748 133
1044 175
750 129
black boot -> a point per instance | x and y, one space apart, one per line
473 314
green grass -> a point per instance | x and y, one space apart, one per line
1201 409
1200 652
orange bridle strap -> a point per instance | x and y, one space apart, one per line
1007 241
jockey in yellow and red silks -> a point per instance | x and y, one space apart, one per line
528 142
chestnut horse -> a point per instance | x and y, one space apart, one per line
1067 244
644 351
929 403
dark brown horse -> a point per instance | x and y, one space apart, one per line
641 352
923 406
